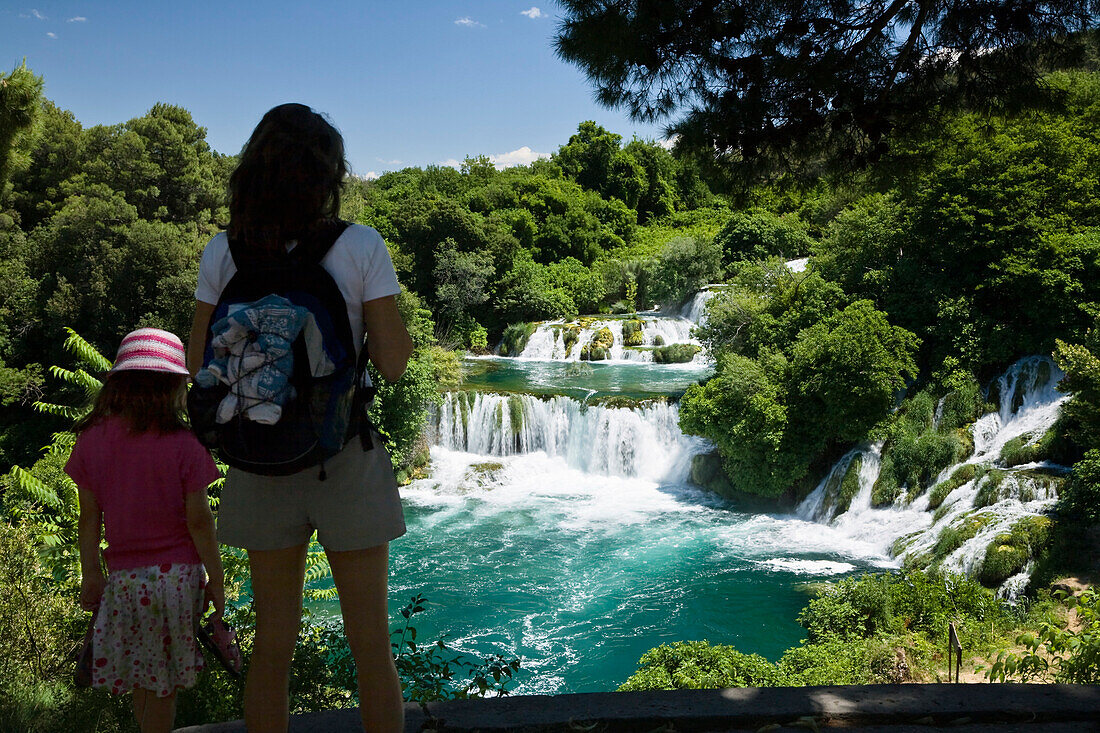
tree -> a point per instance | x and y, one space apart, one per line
682 267
462 280
20 91
771 78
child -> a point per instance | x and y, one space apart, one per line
141 472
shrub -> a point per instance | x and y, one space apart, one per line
1080 498
832 662
515 337
699 665
41 625
1063 654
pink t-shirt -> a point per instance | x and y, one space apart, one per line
140 480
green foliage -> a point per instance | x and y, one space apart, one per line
1054 653
675 353
742 410
682 267
698 665
632 332
872 629
401 408
434 671
961 475
41 625
599 346
1010 551
20 91
758 234
515 338
1079 501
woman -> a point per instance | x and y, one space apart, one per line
286 184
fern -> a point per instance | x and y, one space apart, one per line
78 377
34 488
66 411
76 345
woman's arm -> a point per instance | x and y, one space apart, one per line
196 343
388 342
92 581
200 524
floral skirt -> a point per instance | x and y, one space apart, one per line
145 631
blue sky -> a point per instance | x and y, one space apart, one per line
408 83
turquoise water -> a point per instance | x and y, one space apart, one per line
579 543
583 380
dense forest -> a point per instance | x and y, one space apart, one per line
965 246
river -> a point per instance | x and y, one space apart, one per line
559 523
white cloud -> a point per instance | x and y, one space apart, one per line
368 176
390 163
669 142
533 13
520 156
51 34
469 23
33 14
77 19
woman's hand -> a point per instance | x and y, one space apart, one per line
215 594
91 590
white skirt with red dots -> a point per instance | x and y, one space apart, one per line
145 632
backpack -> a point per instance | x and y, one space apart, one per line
280 386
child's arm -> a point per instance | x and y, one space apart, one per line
200 523
92 581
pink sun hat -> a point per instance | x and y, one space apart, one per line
153 350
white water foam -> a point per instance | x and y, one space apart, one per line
643 441
547 343
1030 404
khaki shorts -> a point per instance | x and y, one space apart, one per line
357 506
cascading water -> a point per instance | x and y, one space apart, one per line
644 441
978 511
563 341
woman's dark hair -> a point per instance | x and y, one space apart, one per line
147 400
288 178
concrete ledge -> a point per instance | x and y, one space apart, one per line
975 708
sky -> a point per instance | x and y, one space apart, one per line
408 83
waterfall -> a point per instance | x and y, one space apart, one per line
977 511
548 342
643 441
695 309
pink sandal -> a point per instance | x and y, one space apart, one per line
218 637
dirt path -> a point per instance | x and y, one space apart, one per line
1072 622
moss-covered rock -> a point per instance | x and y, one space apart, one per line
569 336
960 531
1010 551
675 353
962 474
886 489
515 413
658 340
599 346
632 332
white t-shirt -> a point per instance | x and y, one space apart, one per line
358 261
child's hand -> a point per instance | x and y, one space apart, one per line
91 590
214 593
